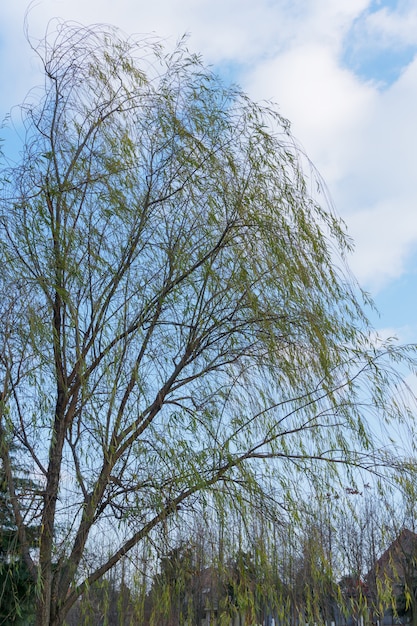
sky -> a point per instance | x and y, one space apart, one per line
344 72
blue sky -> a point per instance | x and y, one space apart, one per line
373 48
343 72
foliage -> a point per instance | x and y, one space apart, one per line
16 594
259 582
179 328
171 595
105 602
16 585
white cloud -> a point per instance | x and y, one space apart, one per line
238 30
379 198
385 236
387 27
235 29
324 102
364 142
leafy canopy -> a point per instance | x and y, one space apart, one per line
179 326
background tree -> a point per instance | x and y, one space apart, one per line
108 601
171 592
179 314
17 588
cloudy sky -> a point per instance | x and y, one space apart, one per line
344 72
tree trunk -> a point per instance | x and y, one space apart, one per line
43 612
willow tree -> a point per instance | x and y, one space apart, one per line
178 323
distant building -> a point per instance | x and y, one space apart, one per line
392 582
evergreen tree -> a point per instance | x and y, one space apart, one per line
17 588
